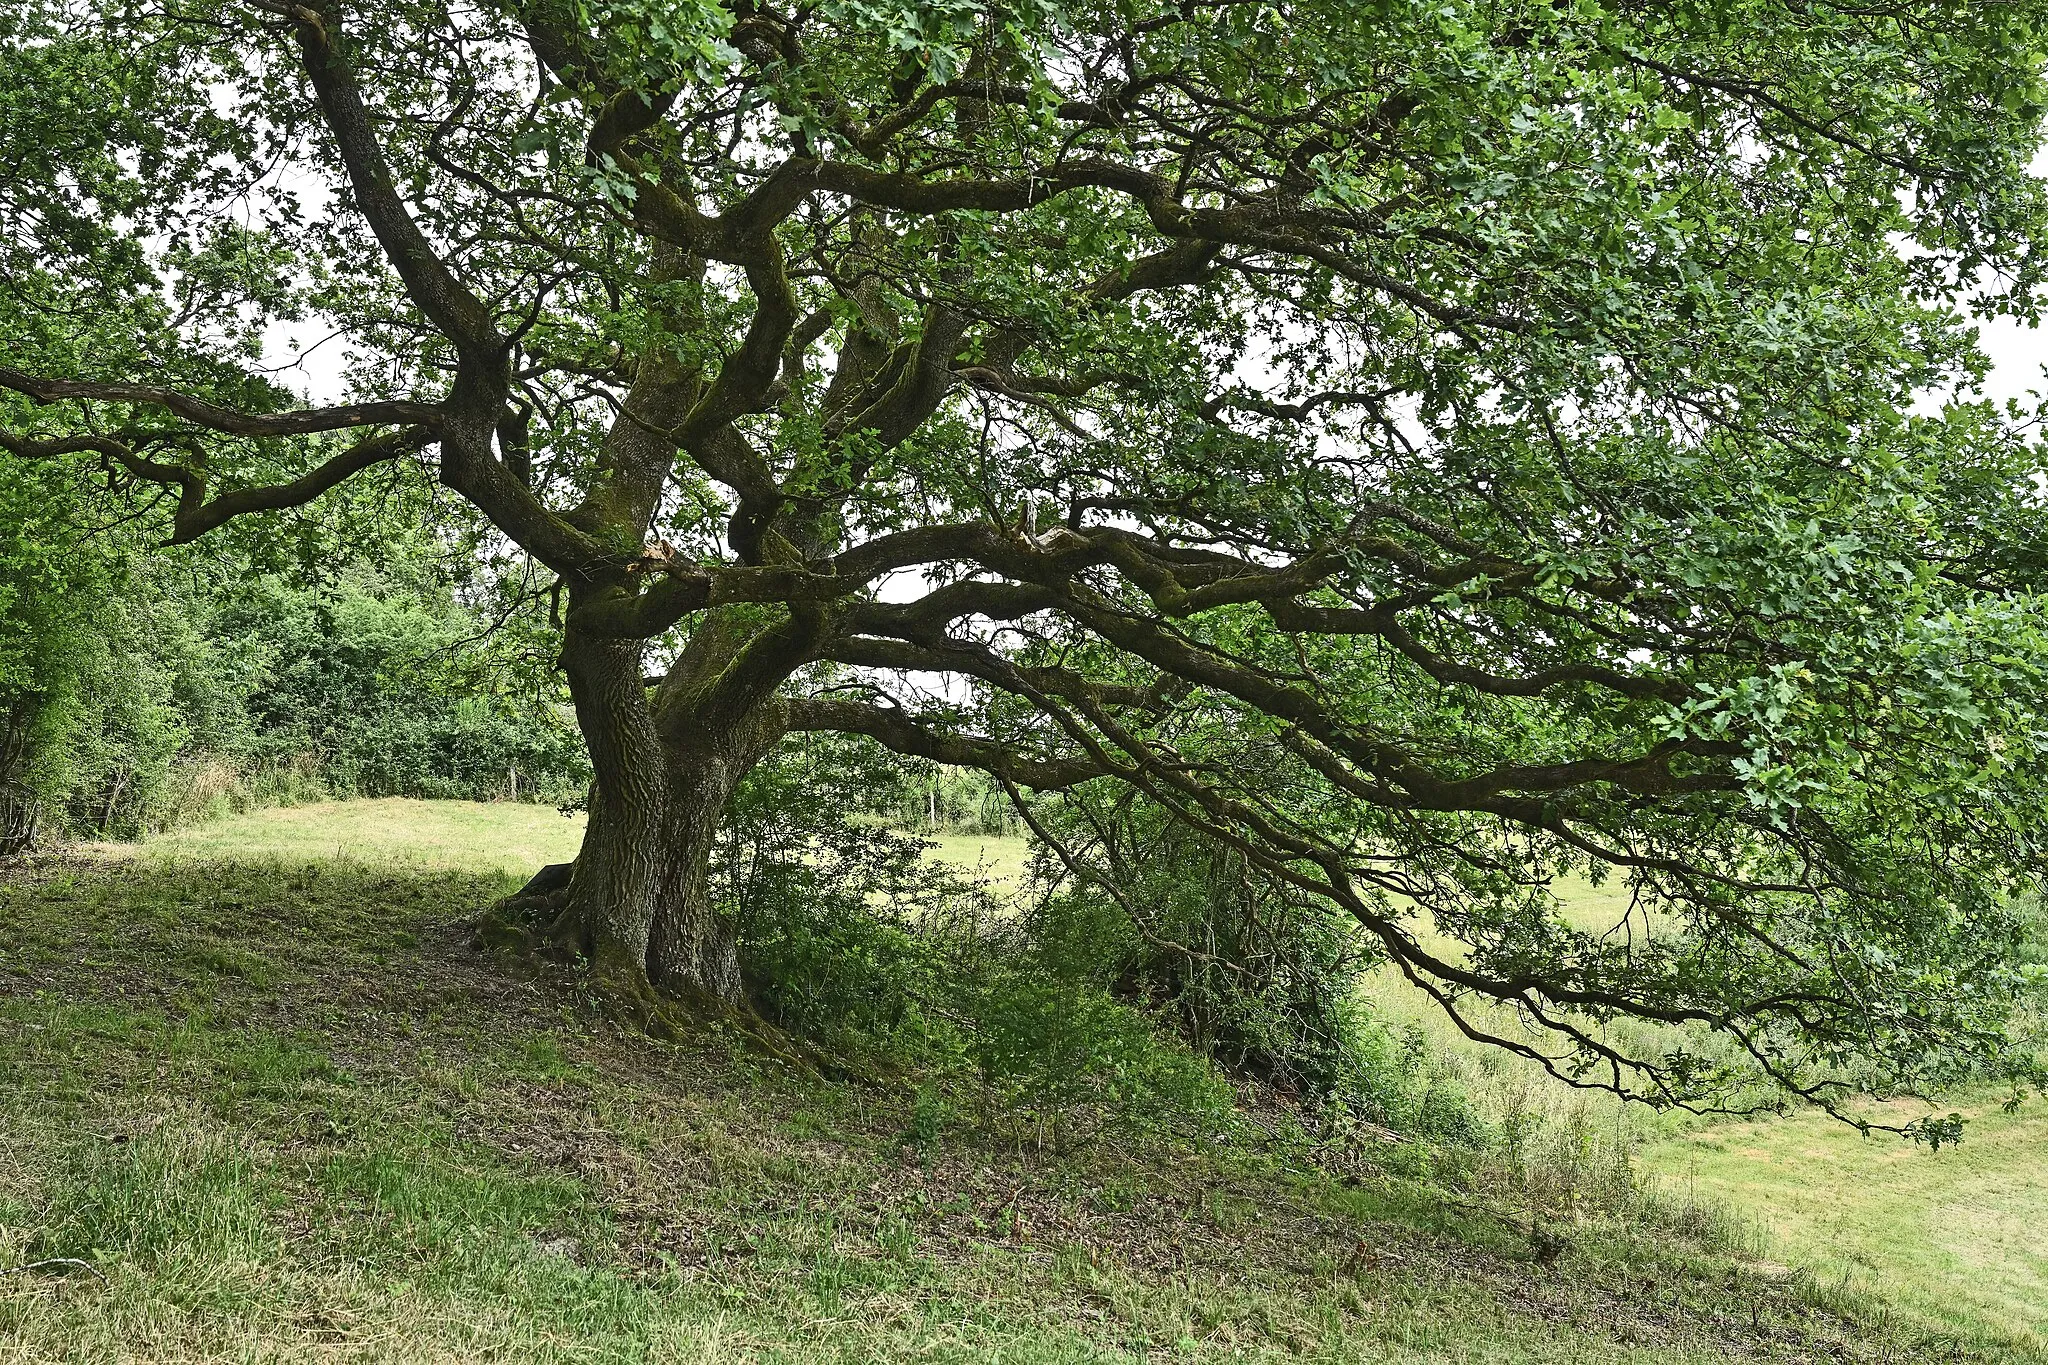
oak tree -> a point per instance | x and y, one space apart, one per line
1428 448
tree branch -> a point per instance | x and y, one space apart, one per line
901 732
214 417
448 303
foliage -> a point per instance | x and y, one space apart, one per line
1267 983
938 798
379 682
50 604
853 938
1478 444
138 694
1162 915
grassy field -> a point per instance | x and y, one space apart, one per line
1959 1235
1004 862
503 837
506 837
285 1112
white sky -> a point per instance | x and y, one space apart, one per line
2017 356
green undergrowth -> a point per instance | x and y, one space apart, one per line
283 1111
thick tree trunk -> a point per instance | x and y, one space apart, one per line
637 903
691 944
610 901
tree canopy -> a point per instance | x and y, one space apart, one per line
1428 449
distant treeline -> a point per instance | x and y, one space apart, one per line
177 700
143 690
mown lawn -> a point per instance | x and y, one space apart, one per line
476 836
1960 1235
286 1112
507 837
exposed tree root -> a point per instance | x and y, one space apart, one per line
533 922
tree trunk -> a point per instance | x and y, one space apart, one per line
19 807
692 944
637 903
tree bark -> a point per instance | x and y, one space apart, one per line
637 903
693 944
19 807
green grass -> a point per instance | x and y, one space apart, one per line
1959 1235
1956 1240
1004 860
289 1113
513 838
507 837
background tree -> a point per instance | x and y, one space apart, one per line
139 691
1424 448
53 604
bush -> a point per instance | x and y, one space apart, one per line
141 687
1398 1082
1063 1014
1251 972
851 938
934 798
1063 1059
184 701
373 678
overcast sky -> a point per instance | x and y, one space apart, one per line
2017 354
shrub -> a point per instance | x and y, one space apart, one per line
853 939
1263 979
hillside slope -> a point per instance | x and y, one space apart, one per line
281 1110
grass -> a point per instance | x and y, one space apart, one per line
1959 1235
1004 860
507 837
1955 1240
289 1114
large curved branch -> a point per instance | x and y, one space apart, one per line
1397 779
1385 624
1263 224
196 514
901 732
744 384
676 590
1182 583
1546 1000
1416 786
478 398
191 523
977 661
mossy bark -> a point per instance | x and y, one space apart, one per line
637 905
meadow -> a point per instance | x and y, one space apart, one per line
1957 1237
263 1099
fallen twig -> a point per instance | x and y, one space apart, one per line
68 1262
